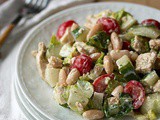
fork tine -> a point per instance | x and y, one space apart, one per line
44 4
36 5
27 2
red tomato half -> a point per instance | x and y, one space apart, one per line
83 63
109 25
136 90
100 83
149 22
126 45
62 28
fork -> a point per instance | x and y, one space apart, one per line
30 7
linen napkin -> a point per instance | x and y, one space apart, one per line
9 109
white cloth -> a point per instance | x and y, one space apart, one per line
9 109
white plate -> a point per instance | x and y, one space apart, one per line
36 91
25 112
29 110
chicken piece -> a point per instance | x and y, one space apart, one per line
56 62
156 87
41 60
154 44
140 44
34 53
145 62
46 70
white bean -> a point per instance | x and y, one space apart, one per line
133 56
108 64
116 54
74 26
116 41
110 47
95 56
62 76
73 77
93 114
94 30
117 91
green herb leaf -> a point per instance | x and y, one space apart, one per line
100 59
100 40
118 110
54 40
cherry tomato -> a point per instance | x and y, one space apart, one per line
126 45
83 63
136 90
149 22
62 28
100 83
109 25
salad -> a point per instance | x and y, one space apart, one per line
108 68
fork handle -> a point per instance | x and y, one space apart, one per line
8 29
5 34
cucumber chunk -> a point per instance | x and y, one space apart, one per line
53 48
151 103
126 68
51 75
151 115
127 22
126 36
66 50
96 102
80 34
100 40
86 88
61 94
140 117
79 95
145 31
76 97
150 79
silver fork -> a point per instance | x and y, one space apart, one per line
30 7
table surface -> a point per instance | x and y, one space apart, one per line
151 3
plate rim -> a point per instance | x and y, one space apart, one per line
29 35
26 104
27 115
